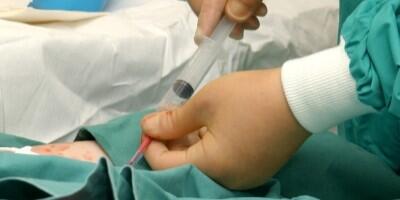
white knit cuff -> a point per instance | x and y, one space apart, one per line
321 91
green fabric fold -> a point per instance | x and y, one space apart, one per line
372 40
326 167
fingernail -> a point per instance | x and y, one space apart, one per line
238 9
151 124
198 36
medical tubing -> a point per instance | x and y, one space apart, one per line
191 76
139 152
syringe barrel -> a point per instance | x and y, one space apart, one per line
192 75
201 62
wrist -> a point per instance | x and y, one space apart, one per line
280 107
320 90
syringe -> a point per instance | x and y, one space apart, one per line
191 76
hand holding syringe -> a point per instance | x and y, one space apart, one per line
191 76
238 130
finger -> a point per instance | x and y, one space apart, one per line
184 142
195 5
173 124
262 10
241 10
160 157
210 14
252 24
237 32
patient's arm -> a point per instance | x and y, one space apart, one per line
85 150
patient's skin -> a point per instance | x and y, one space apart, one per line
85 150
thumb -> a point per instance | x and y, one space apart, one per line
172 124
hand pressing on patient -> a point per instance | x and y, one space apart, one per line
238 130
243 12
85 150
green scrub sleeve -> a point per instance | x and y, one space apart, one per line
373 45
346 7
